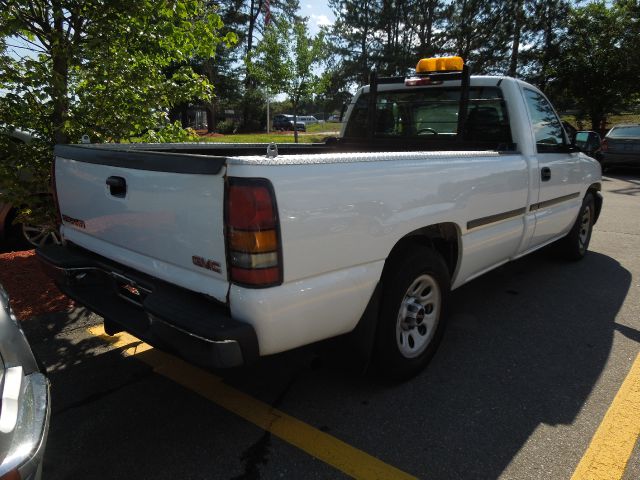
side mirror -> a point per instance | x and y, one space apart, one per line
588 142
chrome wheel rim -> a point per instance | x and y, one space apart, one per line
39 235
585 227
418 316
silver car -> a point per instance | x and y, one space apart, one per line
621 146
26 405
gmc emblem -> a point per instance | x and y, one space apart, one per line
204 263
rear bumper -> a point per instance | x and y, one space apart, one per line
167 317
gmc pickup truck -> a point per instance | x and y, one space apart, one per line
224 253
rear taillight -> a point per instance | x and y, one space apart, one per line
252 233
54 192
603 146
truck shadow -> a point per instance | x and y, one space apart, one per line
525 346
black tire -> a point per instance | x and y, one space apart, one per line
404 342
574 246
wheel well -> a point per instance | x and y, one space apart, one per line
594 189
444 238
7 214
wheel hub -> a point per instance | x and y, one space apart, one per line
414 314
418 316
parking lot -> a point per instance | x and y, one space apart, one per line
533 358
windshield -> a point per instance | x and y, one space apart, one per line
431 112
625 132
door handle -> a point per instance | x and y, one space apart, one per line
117 186
545 174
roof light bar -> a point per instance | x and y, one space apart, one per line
440 64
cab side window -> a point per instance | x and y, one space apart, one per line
548 131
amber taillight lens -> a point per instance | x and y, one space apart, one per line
252 233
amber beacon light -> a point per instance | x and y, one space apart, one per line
440 64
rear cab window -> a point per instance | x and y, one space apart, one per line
433 113
624 132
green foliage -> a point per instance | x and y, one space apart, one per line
170 133
285 59
226 127
24 177
597 66
107 68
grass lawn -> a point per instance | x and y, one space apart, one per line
612 120
314 134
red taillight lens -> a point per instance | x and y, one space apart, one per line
252 207
604 147
252 232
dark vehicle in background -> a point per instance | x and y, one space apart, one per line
590 143
621 146
285 122
26 405
21 235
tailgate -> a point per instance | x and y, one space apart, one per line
156 212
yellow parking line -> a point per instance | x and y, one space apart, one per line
612 445
340 455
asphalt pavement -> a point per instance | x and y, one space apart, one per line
534 355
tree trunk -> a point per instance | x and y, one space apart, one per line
60 77
211 117
295 121
184 117
249 83
517 29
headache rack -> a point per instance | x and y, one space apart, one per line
464 132
434 78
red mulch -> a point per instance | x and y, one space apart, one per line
32 292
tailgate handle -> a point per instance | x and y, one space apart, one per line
117 186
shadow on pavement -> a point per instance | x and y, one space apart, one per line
525 345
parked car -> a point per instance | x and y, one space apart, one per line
285 122
333 118
26 401
308 119
621 146
20 234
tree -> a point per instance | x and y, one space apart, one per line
253 11
285 59
480 32
107 68
597 64
546 26
354 38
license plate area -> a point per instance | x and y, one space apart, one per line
130 290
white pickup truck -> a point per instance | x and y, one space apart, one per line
224 253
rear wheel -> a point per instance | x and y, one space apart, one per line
412 314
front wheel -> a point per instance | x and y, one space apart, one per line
412 314
574 246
